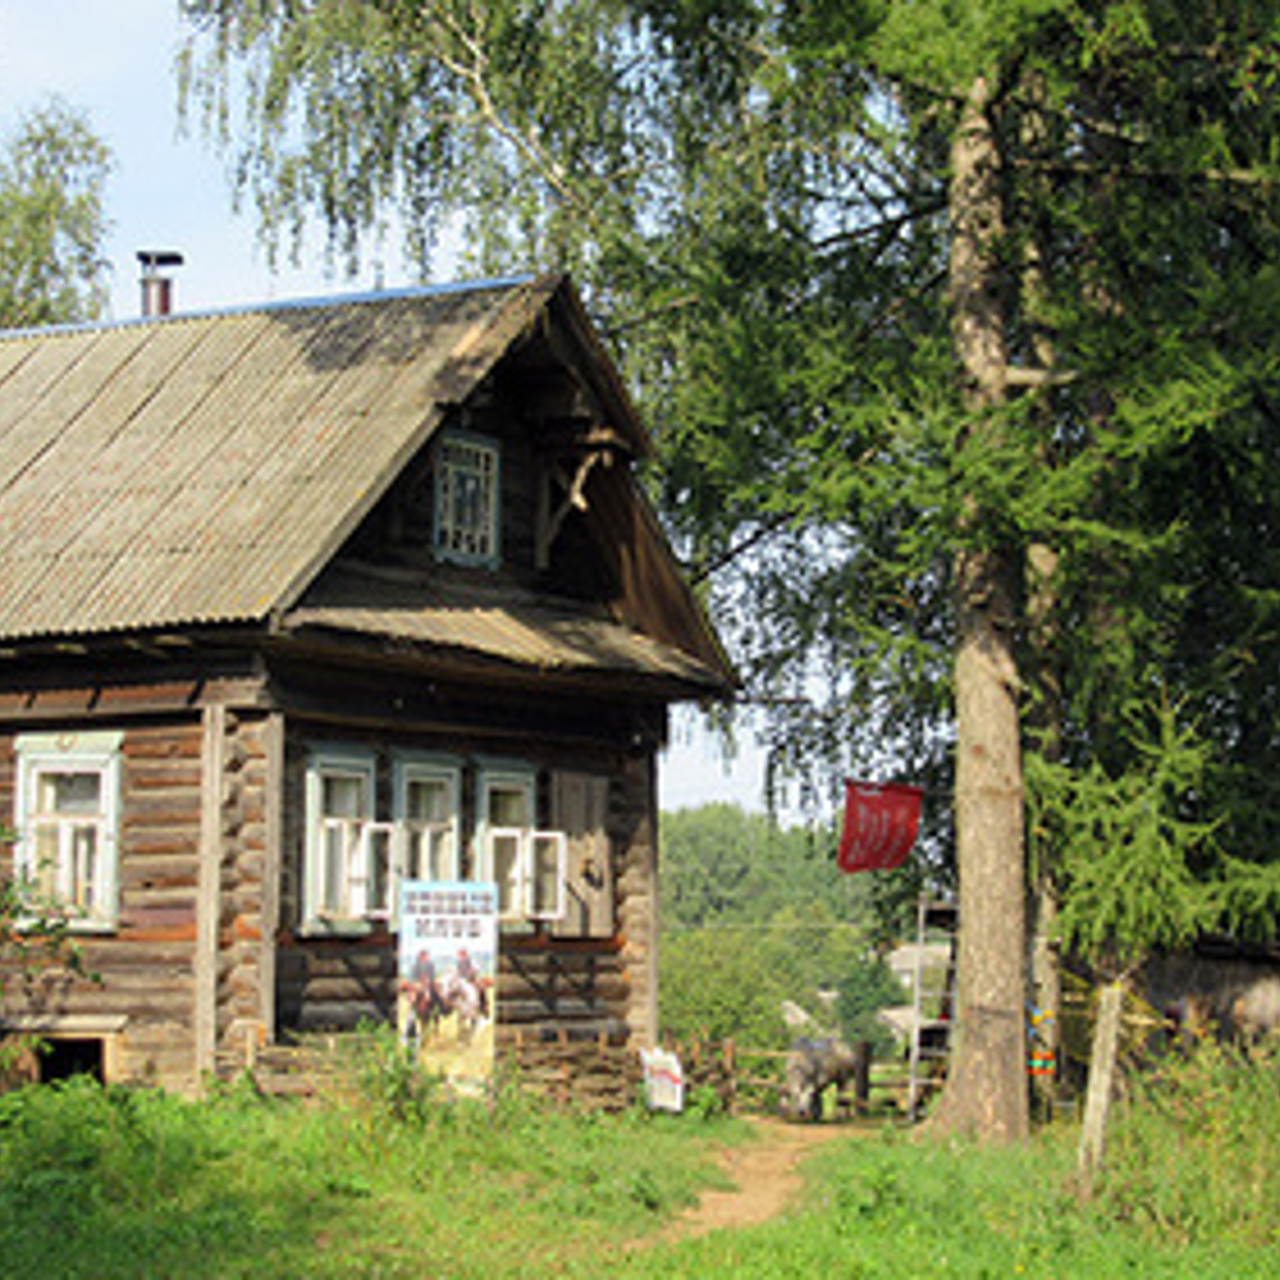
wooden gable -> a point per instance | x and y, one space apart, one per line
584 580
209 471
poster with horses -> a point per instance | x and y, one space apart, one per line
448 963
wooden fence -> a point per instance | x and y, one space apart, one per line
747 1079
596 1073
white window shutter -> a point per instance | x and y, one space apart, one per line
580 809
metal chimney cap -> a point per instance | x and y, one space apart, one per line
152 259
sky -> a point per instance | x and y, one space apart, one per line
114 60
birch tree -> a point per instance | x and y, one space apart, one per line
53 172
956 325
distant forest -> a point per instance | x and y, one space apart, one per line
754 915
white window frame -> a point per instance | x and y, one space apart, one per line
366 902
517 897
472 459
554 844
352 910
408 770
95 752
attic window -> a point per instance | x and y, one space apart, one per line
466 500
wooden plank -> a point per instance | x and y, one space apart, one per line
338 991
159 890
341 1015
112 702
159 986
167 744
565 1009
122 954
162 845
208 893
608 989
1102 1064
560 961
359 961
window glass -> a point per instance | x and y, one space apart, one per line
343 796
430 854
337 848
86 872
46 846
339 809
67 813
428 800
69 793
509 806
466 518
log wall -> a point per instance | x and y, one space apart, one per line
553 985
245 923
208 966
334 984
637 882
144 1001
550 990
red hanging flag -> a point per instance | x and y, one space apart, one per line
880 825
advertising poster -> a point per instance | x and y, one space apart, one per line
448 969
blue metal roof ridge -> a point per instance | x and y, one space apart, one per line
280 304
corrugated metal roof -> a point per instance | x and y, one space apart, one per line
508 626
203 468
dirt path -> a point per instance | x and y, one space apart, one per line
766 1176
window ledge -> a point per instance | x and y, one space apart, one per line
31 924
66 1024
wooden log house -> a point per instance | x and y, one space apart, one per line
299 599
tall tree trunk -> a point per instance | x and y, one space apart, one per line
986 1090
1043 666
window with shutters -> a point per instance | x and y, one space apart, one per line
580 808
349 868
526 864
356 856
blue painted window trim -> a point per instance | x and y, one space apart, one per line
451 555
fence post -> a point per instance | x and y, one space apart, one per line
1098 1095
861 1077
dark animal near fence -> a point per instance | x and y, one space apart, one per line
812 1067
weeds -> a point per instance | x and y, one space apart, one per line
1194 1157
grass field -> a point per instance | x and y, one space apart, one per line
385 1180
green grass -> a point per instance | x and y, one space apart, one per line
386 1180
890 1206
114 1183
